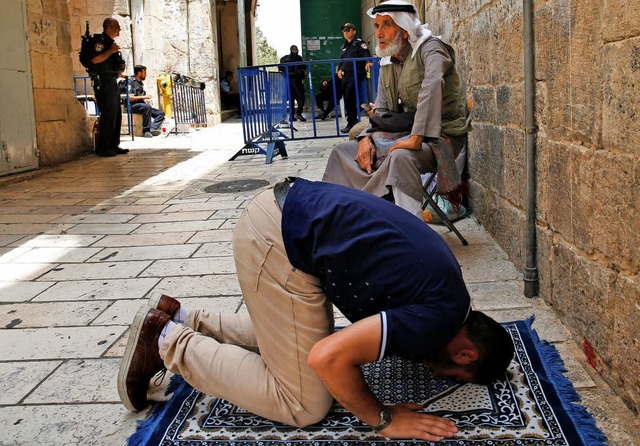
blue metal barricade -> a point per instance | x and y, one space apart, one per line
265 93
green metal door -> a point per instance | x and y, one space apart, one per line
321 22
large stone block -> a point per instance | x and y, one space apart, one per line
64 38
482 48
57 72
614 213
486 162
34 7
558 203
484 104
50 105
621 106
583 293
621 19
43 34
583 185
543 159
586 71
510 104
38 63
509 60
515 163
61 141
544 258
626 338
552 60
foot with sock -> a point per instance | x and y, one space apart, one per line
141 360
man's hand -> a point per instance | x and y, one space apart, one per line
114 48
408 423
414 142
366 154
368 66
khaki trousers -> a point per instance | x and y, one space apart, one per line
288 314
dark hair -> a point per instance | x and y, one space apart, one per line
292 47
228 73
108 22
494 344
138 68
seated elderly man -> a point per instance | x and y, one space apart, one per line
420 120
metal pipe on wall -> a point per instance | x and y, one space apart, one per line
530 270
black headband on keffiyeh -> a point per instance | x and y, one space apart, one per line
390 7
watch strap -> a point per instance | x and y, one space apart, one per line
386 416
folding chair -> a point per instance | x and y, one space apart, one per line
429 191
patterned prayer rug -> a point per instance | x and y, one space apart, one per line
534 405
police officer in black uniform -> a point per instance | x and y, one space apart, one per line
353 47
296 76
107 66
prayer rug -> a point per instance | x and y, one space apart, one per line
535 404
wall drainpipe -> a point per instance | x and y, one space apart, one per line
530 270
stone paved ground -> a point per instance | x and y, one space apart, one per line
84 245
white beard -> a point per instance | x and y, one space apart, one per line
392 48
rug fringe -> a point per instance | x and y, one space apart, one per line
147 426
554 365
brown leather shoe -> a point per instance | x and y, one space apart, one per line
166 304
141 358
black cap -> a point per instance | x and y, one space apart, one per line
138 68
348 26
390 7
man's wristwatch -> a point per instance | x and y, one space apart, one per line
386 416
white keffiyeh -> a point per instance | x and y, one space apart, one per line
418 32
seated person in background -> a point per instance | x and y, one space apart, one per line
326 95
420 87
151 117
228 97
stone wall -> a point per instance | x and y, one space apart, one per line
60 119
587 71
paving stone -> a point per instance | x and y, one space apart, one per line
210 285
66 425
53 255
54 241
183 226
485 264
56 343
9 239
33 228
208 206
145 253
98 289
30 218
173 216
155 239
496 295
212 236
134 209
80 381
27 374
215 249
23 271
21 291
94 218
111 270
120 312
545 323
190 267
104 228
50 314
576 372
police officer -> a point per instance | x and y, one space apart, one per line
296 76
353 47
107 66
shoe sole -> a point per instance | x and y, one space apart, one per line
132 342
